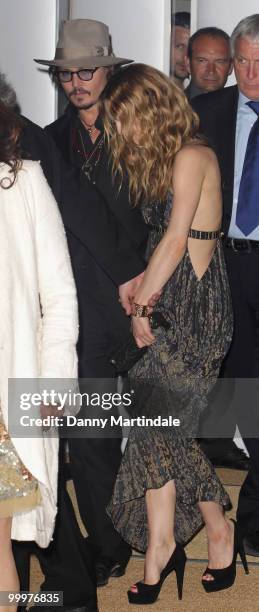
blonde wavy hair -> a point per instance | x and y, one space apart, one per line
147 119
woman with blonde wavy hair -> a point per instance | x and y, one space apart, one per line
166 488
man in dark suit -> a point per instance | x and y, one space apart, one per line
229 118
82 65
208 61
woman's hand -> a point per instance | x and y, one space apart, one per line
142 331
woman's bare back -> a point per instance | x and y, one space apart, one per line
209 210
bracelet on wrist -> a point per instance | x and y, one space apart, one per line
139 310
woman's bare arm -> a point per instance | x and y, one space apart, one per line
188 176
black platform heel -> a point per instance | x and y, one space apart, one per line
224 578
148 593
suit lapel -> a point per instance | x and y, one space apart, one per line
227 147
223 136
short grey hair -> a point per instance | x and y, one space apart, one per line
246 28
7 94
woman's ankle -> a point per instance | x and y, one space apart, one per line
157 557
161 546
220 531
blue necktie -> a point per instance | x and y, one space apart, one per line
247 218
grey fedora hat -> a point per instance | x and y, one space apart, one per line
84 43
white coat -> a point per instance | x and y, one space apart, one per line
38 322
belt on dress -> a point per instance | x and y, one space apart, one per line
204 235
193 233
240 245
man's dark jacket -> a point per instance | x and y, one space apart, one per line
129 218
218 113
112 249
191 91
119 251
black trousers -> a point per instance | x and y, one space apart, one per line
67 563
248 503
242 363
95 461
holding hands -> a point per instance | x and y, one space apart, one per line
141 328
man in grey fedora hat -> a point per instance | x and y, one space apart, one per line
85 42
83 63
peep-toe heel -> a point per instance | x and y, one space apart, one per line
225 577
148 593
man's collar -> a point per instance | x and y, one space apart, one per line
242 101
99 123
193 90
72 111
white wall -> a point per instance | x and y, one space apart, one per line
224 14
28 30
140 28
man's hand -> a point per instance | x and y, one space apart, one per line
51 410
128 290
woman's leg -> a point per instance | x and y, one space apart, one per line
8 575
160 505
220 535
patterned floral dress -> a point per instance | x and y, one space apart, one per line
174 377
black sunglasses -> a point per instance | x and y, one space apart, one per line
86 74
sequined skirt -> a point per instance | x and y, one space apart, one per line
19 491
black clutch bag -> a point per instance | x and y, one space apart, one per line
129 353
